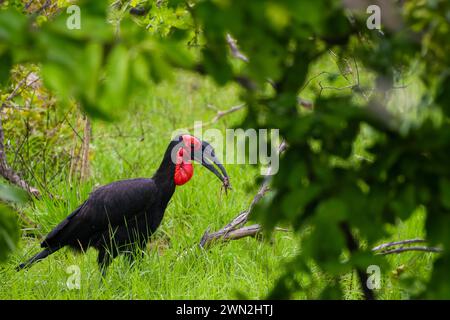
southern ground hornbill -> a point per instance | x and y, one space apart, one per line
120 216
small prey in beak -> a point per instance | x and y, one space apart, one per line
207 158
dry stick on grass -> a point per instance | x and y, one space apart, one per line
235 229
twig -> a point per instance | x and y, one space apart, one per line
351 86
402 249
395 243
386 248
312 78
222 113
232 43
73 129
15 91
44 7
218 116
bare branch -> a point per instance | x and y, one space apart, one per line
232 43
390 244
219 115
16 89
402 249
28 81
386 248
314 77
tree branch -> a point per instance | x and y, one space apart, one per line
219 115
390 244
386 248
232 43
400 250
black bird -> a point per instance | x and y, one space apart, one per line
120 216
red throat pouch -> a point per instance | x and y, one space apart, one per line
184 170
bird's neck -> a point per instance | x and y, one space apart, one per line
164 176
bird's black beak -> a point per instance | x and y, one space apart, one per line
207 155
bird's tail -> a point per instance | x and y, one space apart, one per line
41 255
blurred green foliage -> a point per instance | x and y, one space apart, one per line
9 232
320 184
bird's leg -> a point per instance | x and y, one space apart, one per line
104 259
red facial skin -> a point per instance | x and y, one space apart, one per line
190 141
184 170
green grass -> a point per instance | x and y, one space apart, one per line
173 266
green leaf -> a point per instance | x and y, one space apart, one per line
141 70
88 72
444 186
6 63
9 232
59 81
217 64
114 94
331 292
12 27
12 194
439 285
334 209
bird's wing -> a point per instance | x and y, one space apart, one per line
106 207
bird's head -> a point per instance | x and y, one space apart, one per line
187 149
